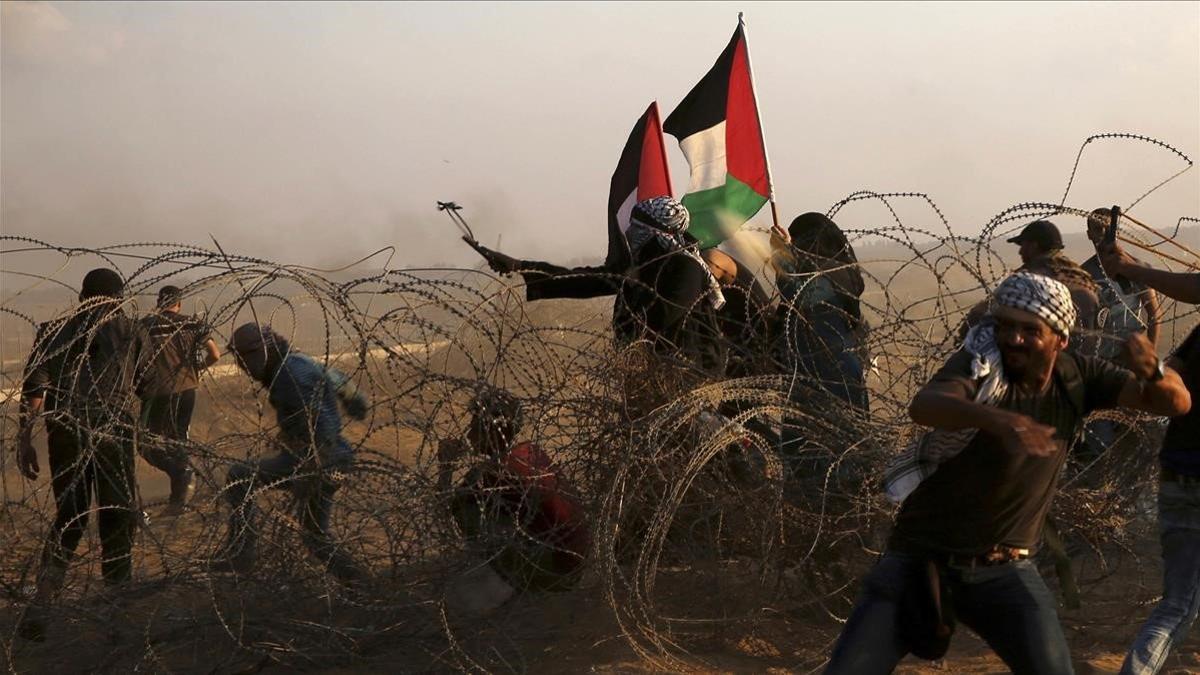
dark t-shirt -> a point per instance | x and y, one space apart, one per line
1181 447
986 496
176 340
88 365
668 299
745 322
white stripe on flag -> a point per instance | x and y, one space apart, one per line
705 152
626 210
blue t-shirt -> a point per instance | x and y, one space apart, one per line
306 408
1181 447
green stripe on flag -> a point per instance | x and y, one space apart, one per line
717 213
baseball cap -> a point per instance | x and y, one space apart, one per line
1041 232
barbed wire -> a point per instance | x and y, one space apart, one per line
701 529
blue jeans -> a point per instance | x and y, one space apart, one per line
1179 527
313 489
827 371
1007 605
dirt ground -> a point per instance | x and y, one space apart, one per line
560 633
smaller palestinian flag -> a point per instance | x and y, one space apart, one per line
719 131
642 173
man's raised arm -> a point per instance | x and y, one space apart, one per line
1157 388
1182 286
943 404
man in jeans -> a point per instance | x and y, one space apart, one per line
169 395
1004 412
312 452
1179 489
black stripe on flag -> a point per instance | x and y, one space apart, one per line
624 181
704 106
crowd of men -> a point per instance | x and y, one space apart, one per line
1053 343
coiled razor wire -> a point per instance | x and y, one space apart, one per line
700 536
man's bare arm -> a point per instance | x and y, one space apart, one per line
31 408
212 352
1166 396
948 405
1182 286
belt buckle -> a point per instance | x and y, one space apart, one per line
1002 555
996 556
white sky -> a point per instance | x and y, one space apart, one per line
316 133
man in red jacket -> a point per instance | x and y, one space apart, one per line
513 502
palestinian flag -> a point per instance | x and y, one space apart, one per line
719 131
642 173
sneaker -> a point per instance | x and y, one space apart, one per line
183 487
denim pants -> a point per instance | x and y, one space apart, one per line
826 371
311 486
168 418
1007 605
1179 528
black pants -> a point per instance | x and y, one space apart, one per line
168 419
84 462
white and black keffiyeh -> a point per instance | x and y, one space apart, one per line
665 219
1042 296
1048 299
921 458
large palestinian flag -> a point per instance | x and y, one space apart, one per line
718 128
641 173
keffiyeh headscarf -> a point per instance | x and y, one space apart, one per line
1050 300
665 219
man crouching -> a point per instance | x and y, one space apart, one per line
305 397
1004 410
513 505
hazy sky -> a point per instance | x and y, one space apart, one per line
315 133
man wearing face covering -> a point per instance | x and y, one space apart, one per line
822 330
1003 412
82 377
311 450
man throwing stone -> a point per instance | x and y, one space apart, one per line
1004 411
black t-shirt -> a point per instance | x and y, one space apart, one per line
1181 447
669 302
745 321
89 365
986 496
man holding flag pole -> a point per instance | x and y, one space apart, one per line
719 127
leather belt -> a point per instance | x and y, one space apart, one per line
997 555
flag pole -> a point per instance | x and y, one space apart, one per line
762 134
